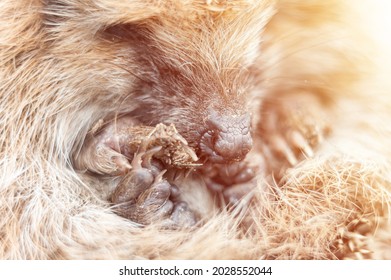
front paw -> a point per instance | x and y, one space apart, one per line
292 127
144 196
109 147
106 149
235 180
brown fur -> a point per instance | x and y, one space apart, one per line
66 64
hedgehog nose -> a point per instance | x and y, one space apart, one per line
228 138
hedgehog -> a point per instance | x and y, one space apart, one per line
106 104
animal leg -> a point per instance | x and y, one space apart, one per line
292 127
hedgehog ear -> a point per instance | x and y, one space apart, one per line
102 12
125 11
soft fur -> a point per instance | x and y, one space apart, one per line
66 64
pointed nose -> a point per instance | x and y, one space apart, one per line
228 137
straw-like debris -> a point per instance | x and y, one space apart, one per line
174 151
